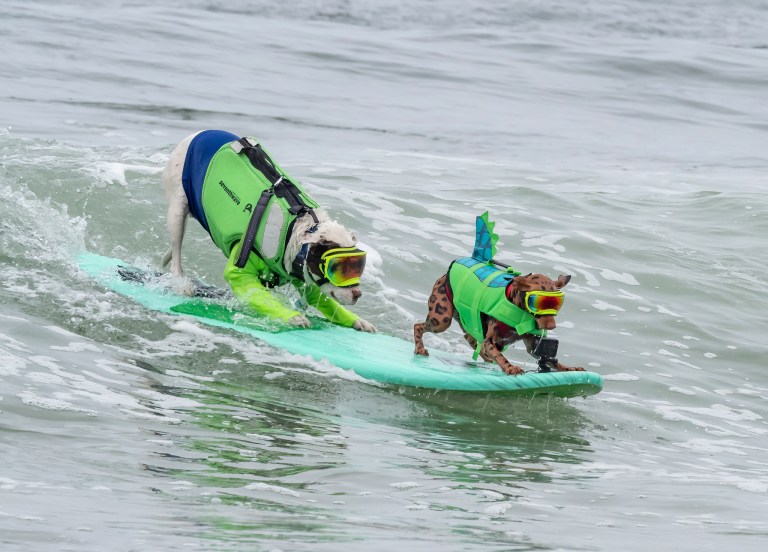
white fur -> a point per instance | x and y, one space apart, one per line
327 230
178 207
178 211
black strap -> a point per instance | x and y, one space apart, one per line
253 226
297 269
260 160
281 187
287 190
314 256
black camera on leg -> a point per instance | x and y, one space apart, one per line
546 351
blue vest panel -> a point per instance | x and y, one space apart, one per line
201 149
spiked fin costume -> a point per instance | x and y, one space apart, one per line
479 286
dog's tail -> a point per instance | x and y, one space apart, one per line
166 258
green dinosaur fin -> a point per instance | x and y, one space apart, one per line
485 239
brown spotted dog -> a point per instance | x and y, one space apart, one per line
498 335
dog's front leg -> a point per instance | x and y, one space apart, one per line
490 350
248 288
473 343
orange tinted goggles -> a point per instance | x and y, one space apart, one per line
343 266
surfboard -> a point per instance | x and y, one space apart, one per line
378 357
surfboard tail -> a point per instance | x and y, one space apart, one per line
485 239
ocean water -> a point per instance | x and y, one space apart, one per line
623 143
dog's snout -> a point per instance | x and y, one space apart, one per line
546 322
345 295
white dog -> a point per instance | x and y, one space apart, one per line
270 230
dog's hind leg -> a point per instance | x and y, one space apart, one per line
418 338
439 316
177 225
178 206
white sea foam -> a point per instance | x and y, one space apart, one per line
624 294
665 310
417 506
717 446
272 489
405 256
13 344
682 391
77 347
534 239
46 362
10 364
405 485
735 418
45 377
683 363
604 306
620 377
373 260
47 403
592 237
107 172
623 277
676 344
499 508
752 485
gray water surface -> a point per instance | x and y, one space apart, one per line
620 142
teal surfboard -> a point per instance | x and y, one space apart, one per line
377 357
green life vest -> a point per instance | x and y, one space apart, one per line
230 193
479 288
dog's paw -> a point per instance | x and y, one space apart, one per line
184 286
364 326
299 321
564 368
511 369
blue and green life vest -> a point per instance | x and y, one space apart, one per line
223 189
479 288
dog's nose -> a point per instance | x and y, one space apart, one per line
356 293
546 322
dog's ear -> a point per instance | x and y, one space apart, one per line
562 280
